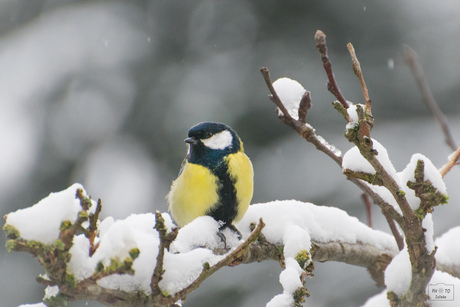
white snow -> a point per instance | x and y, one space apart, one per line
281 300
116 240
182 269
428 225
352 115
290 92
201 232
323 223
378 300
81 264
290 277
42 221
431 172
51 291
449 247
295 240
33 305
354 161
398 273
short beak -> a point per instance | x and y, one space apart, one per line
191 141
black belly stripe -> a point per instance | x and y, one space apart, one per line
227 208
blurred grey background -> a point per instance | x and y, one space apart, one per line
104 92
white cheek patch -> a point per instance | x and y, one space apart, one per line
220 140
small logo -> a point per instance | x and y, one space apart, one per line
441 292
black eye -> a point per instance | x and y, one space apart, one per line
207 135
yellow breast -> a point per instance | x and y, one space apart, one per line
192 193
195 192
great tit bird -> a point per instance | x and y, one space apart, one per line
216 178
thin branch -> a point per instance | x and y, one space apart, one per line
304 130
452 162
359 73
332 86
304 106
92 231
233 258
68 230
428 98
275 98
394 230
165 241
367 204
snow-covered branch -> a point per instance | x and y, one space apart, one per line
408 197
117 265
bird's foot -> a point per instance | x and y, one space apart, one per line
231 227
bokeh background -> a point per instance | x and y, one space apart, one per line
103 93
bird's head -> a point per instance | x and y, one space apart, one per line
209 142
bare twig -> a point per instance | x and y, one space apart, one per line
92 231
367 203
451 163
359 73
304 106
165 241
430 101
332 86
68 230
274 96
394 230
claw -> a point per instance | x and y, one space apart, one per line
232 228
222 237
